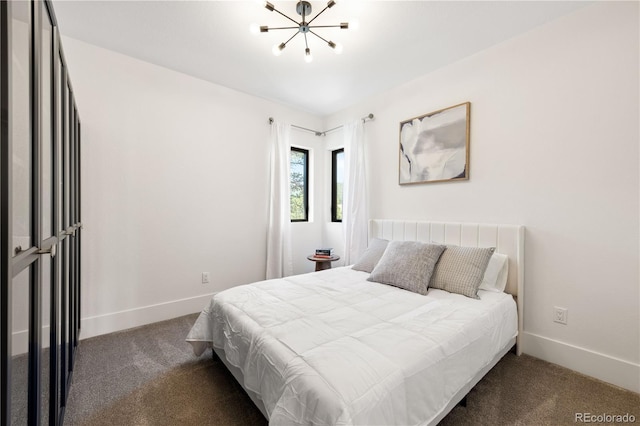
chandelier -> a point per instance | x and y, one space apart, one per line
304 27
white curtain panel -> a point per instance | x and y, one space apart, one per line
355 212
279 253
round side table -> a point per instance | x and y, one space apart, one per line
322 263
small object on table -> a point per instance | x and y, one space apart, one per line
324 252
323 262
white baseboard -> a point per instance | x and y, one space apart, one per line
19 342
118 321
600 366
122 320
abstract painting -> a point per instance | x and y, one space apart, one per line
434 147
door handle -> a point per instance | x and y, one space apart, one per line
51 250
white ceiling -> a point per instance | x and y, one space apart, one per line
397 41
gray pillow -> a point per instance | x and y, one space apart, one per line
460 270
371 255
408 265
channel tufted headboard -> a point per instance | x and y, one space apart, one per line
507 239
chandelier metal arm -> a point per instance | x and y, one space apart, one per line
281 28
321 38
319 13
291 38
292 20
326 26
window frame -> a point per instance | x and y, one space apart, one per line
306 182
334 185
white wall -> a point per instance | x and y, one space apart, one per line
554 146
175 178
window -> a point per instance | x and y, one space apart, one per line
337 182
299 185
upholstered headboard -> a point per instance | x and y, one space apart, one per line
507 239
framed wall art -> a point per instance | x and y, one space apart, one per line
434 147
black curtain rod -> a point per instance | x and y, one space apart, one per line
317 133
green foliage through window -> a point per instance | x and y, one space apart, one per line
337 184
299 185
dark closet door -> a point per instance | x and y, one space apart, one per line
22 310
49 240
39 217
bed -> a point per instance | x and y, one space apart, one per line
331 347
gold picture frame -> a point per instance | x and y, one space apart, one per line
434 147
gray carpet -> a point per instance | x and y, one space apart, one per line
19 388
149 376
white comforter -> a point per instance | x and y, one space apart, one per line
330 348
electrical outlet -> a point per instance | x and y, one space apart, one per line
560 315
205 278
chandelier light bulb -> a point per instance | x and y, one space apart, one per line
278 48
354 24
337 47
307 55
254 28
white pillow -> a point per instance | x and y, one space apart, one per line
495 276
371 255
